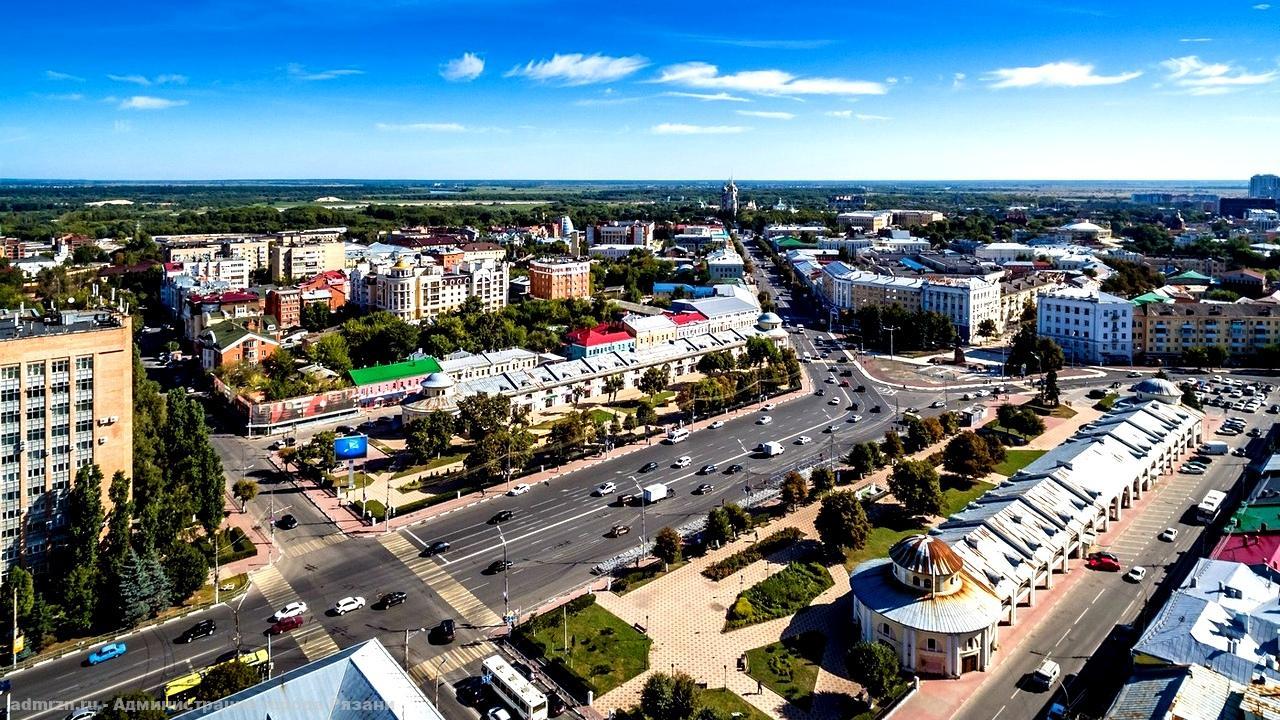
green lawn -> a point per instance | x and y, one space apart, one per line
598 416
1107 402
361 479
439 462
1058 411
956 493
789 667
879 540
954 498
603 650
635 578
663 398
779 595
727 703
1015 460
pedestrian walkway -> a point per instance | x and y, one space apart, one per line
312 639
466 657
310 545
468 606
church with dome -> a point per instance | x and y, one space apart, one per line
923 603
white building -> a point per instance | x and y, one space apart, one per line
616 252
868 221
1261 221
852 245
773 231
1003 252
725 264
422 291
623 232
965 301
1090 325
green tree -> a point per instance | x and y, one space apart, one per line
864 458
842 523
822 479
915 485
892 447
967 456
502 453
143 589
315 316
120 522
244 491
1217 355
875 666
429 437
646 415
666 546
739 519
795 490
987 328
1189 396
629 422
84 516
19 585
654 380
669 697
1197 357
482 414
187 569
332 352
718 530
570 434
226 679
79 598
1050 391
613 385
133 705
716 363
761 350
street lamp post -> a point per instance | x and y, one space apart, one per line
644 530
506 586
408 633
439 673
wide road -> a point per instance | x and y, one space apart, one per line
1090 619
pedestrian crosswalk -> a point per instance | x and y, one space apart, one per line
310 545
313 640
463 657
468 606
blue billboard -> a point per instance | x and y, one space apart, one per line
351 447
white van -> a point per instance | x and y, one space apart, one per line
1046 675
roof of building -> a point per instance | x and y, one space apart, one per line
437 380
686 317
1083 226
1151 297
787 242
769 317
15 325
1158 386
721 306
235 296
925 555
967 610
648 323
1186 275
394 371
227 334
1255 518
1198 309
362 682
1249 547
602 334
1185 693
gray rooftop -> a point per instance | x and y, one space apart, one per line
15 324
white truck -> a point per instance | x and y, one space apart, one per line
771 449
655 492
1215 447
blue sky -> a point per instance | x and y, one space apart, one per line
844 89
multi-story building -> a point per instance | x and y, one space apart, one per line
868 221
286 305
776 231
292 258
1246 282
1016 293
700 238
229 342
967 302
1265 186
422 291
1090 326
560 278
1165 330
472 252
623 232
1262 221
650 330
200 311
1003 252
254 249
915 218
66 400
847 288
725 264
1236 207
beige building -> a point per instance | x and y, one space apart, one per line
192 248
1165 330
66 400
1015 294
915 218
560 278
868 221
290 260
422 292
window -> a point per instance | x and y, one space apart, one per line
931 644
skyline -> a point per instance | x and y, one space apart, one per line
516 89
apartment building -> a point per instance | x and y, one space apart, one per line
1162 330
285 304
291 259
423 291
560 278
725 264
1090 326
967 302
253 249
66 400
623 232
915 218
868 221
1016 293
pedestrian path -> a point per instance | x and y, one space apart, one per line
315 643
313 640
298 549
464 657
467 605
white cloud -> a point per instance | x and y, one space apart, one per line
849 114
1195 39
147 102
720 96
70 97
1262 6
764 82
299 72
872 118
684 129
957 80
1056 74
135 79
445 127
767 114
1197 77
122 126
463 69
143 80
55 75
579 69
839 113
171 79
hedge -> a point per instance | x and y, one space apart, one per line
779 595
376 509
722 569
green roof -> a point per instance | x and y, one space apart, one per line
1191 275
1251 518
394 371
791 242
1151 297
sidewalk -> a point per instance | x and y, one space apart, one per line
261 540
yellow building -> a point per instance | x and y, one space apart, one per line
1167 329
66 400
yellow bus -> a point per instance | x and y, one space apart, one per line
181 689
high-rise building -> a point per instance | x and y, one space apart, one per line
560 278
66 400
1090 326
425 290
729 199
1267 186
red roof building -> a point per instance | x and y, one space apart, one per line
1250 549
599 340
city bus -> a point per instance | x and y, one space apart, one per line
513 689
1207 510
676 435
182 689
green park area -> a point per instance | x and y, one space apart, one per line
789 667
1015 460
586 646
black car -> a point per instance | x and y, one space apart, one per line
437 547
733 469
649 467
392 599
555 705
821 392
470 691
204 628
445 630
498 566
860 388
345 430
875 408
288 522
707 469
503 516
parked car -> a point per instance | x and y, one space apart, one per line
1191 470
704 488
287 522
604 488
1136 573
1169 534
502 517
392 599
716 425
110 651
293 609
348 604
204 628
520 489
649 467
1239 452
1106 564
285 625
619 530
820 392
497 713
768 407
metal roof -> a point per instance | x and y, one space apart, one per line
970 609
394 371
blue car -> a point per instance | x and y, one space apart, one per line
107 652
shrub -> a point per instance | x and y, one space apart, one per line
742 609
722 569
780 594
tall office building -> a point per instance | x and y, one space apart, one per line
66 400
1265 186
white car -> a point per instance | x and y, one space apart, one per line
937 404
716 425
498 714
348 604
764 420
855 418
293 609
768 407
520 489
830 381
833 401
604 488
684 461
832 428
1169 534
1136 573
804 440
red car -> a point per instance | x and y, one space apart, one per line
285 625
844 383
1103 562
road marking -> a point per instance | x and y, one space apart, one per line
1064 637
417 539
1002 707
451 591
298 549
1095 597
